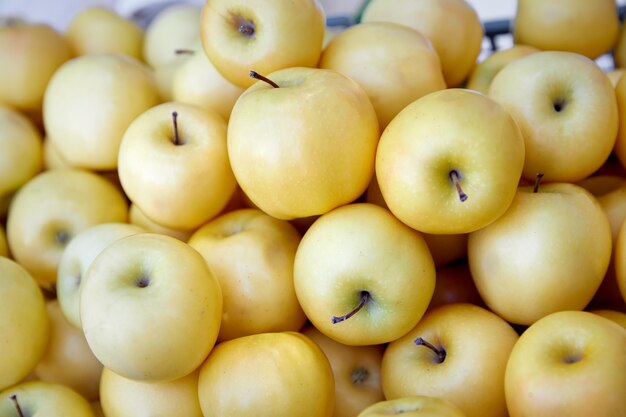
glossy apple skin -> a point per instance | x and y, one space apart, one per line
415 406
569 363
46 399
483 73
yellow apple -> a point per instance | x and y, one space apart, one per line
415 406
566 109
50 209
262 35
569 363
138 218
52 158
393 63
24 327
90 102
281 374
313 138
40 398
580 26
164 76
616 316
450 162
97 29
620 144
453 26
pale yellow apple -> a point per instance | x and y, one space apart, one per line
164 76
40 398
618 317
123 397
76 259
261 35
138 218
453 26
20 154
566 109
90 102
68 359
52 208
450 162
415 406
394 64
580 26
569 363
176 168
97 29
24 326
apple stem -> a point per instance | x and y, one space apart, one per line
538 179
365 296
359 375
455 177
184 52
17 405
441 353
175 120
254 74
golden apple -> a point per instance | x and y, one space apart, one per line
38 398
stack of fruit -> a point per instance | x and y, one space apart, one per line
236 212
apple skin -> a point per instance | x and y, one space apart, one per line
415 406
278 40
616 316
569 363
38 398
138 218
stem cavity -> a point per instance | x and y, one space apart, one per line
359 376
256 75
455 177
441 353
364 298
538 179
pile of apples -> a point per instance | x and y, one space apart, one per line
237 211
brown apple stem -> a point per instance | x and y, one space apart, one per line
359 375
365 296
441 353
254 74
455 177
184 52
538 179
175 120
17 405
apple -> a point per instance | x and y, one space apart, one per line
20 154
252 256
580 26
281 374
393 63
50 209
68 359
123 397
454 284
569 363
90 102
164 75
39 398
52 158
313 138
356 370
138 218
76 259
620 143
415 406
150 308
97 29
173 164
453 26
261 35
24 327
549 252
450 162
566 109
616 316
363 277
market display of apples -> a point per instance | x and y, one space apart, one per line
236 211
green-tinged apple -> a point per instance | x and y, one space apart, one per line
176 27
363 277
454 284
281 374
29 55
21 154
138 218
450 162
483 73
549 252
613 315
4 247
580 26
90 102
38 398
394 64
262 35
566 109
457 352
97 29
50 209
415 406
356 370
76 259
24 326
313 136
173 164
150 308
123 397
252 256
569 363
453 26
620 260
68 359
